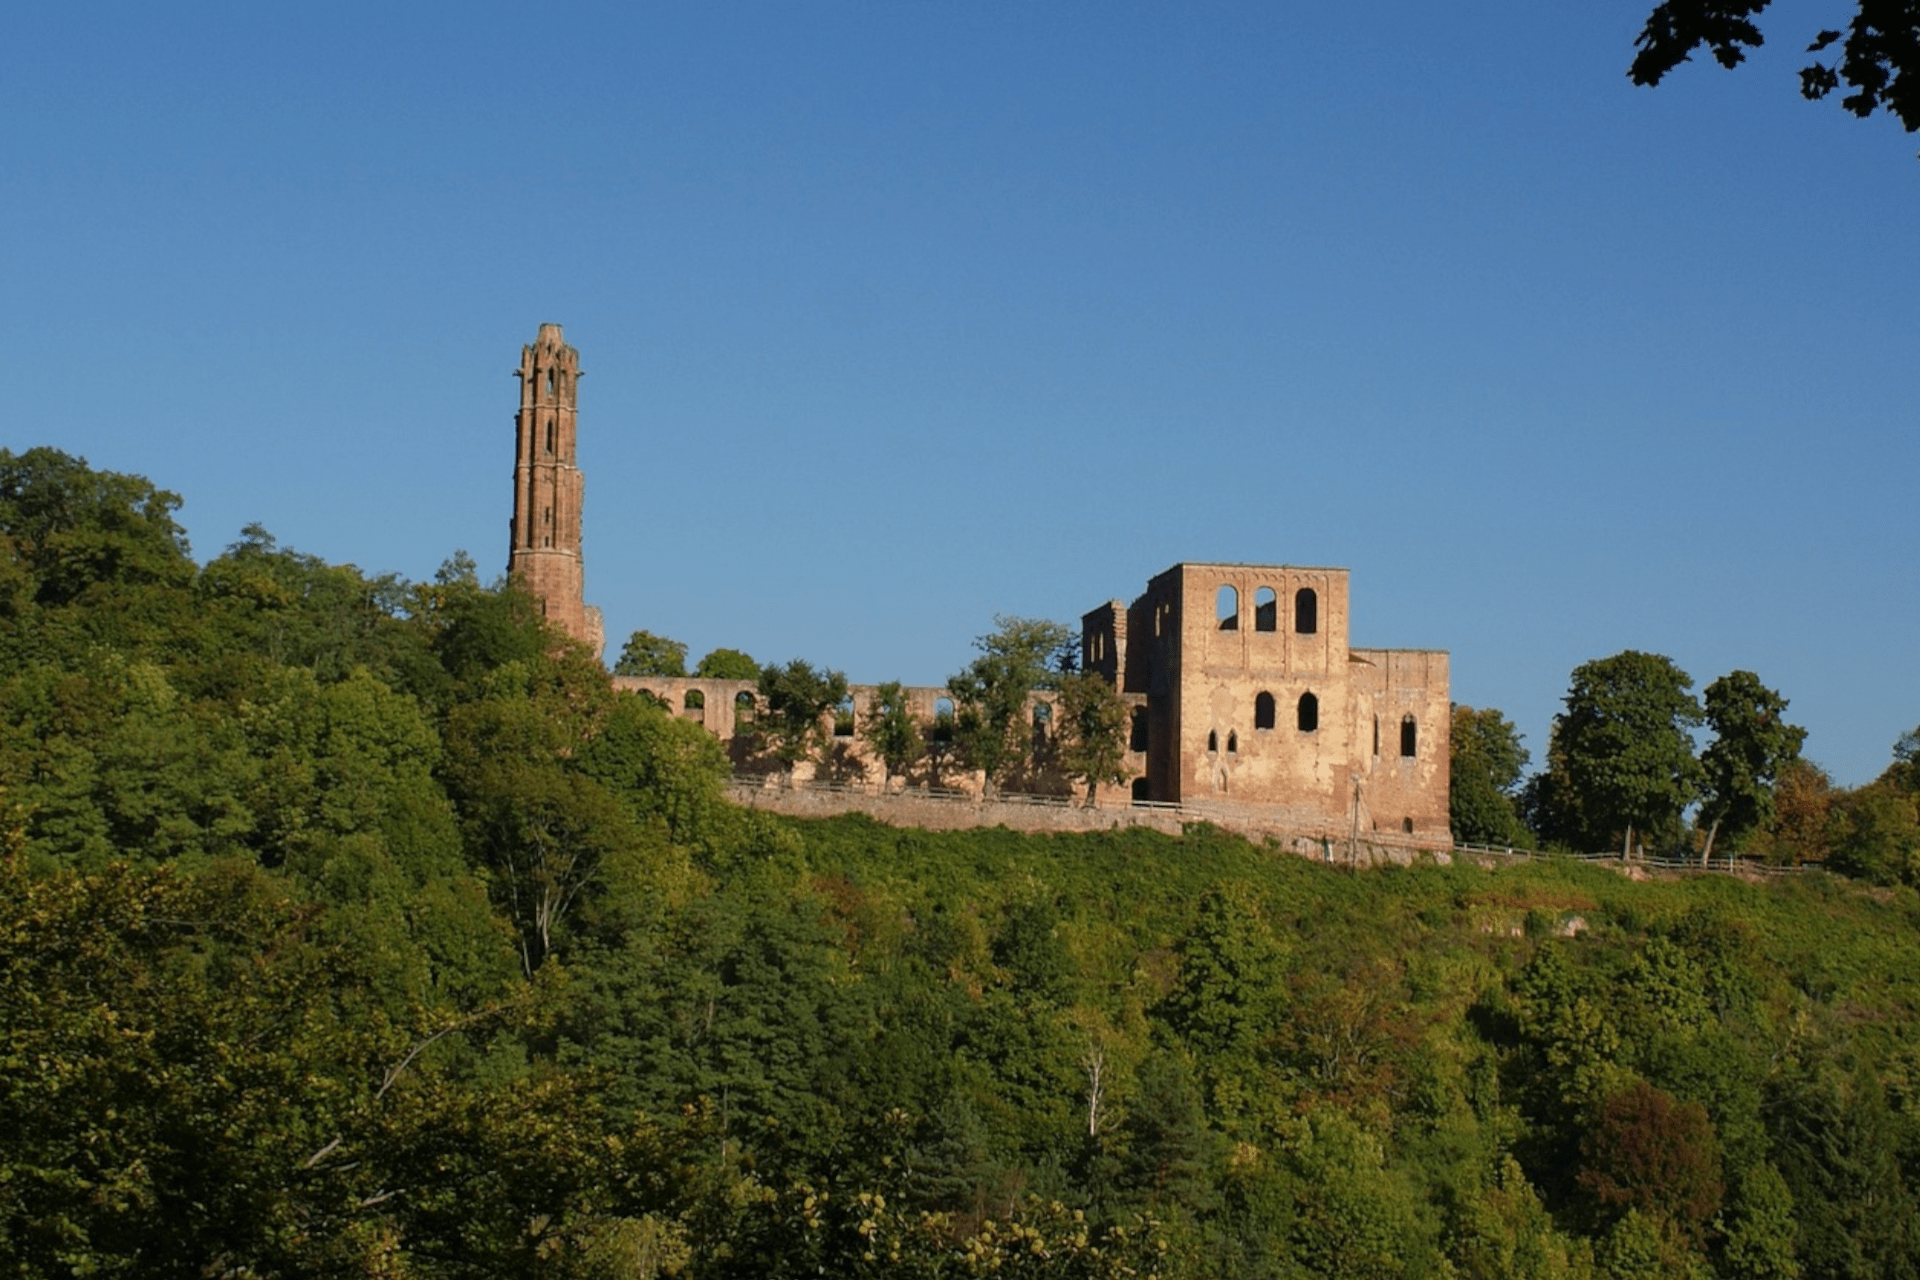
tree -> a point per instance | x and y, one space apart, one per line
1093 725
646 654
69 527
727 664
1647 1151
1485 762
1758 1228
1803 802
1877 835
1017 657
797 698
1904 772
1629 756
1879 61
891 730
1752 744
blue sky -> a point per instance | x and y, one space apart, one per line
898 316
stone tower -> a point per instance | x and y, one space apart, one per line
548 488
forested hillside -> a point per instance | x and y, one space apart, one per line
358 927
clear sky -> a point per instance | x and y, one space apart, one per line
896 316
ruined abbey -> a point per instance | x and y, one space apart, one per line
1247 698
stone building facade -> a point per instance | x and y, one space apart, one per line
1247 697
1247 693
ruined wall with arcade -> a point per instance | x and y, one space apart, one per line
729 709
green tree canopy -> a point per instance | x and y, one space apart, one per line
1752 743
1486 761
1093 732
69 527
727 664
798 697
646 654
891 730
1017 657
1627 748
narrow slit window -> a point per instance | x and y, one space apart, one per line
1233 744
1213 741
1137 734
1409 737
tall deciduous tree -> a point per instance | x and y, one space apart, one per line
890 729
1017 657
646 654
1485 762
1628 754
1093 725
798 698
1752 744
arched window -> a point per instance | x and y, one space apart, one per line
1042 714
550 437
843 718
1409 736
1233 744
1406 825
1309 713
1213 741
549 384
1142 791
1263 711
943 719
1137 733
1306 611
1226 607
1266 610
695 706
743 707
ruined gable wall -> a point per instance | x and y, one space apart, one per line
1406 692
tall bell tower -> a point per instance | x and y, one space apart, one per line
548 488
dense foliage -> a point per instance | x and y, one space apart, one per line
355 927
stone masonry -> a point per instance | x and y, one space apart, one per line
548 489
1248 700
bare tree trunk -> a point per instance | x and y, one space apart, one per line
1626 850
1706 854
1095 1065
